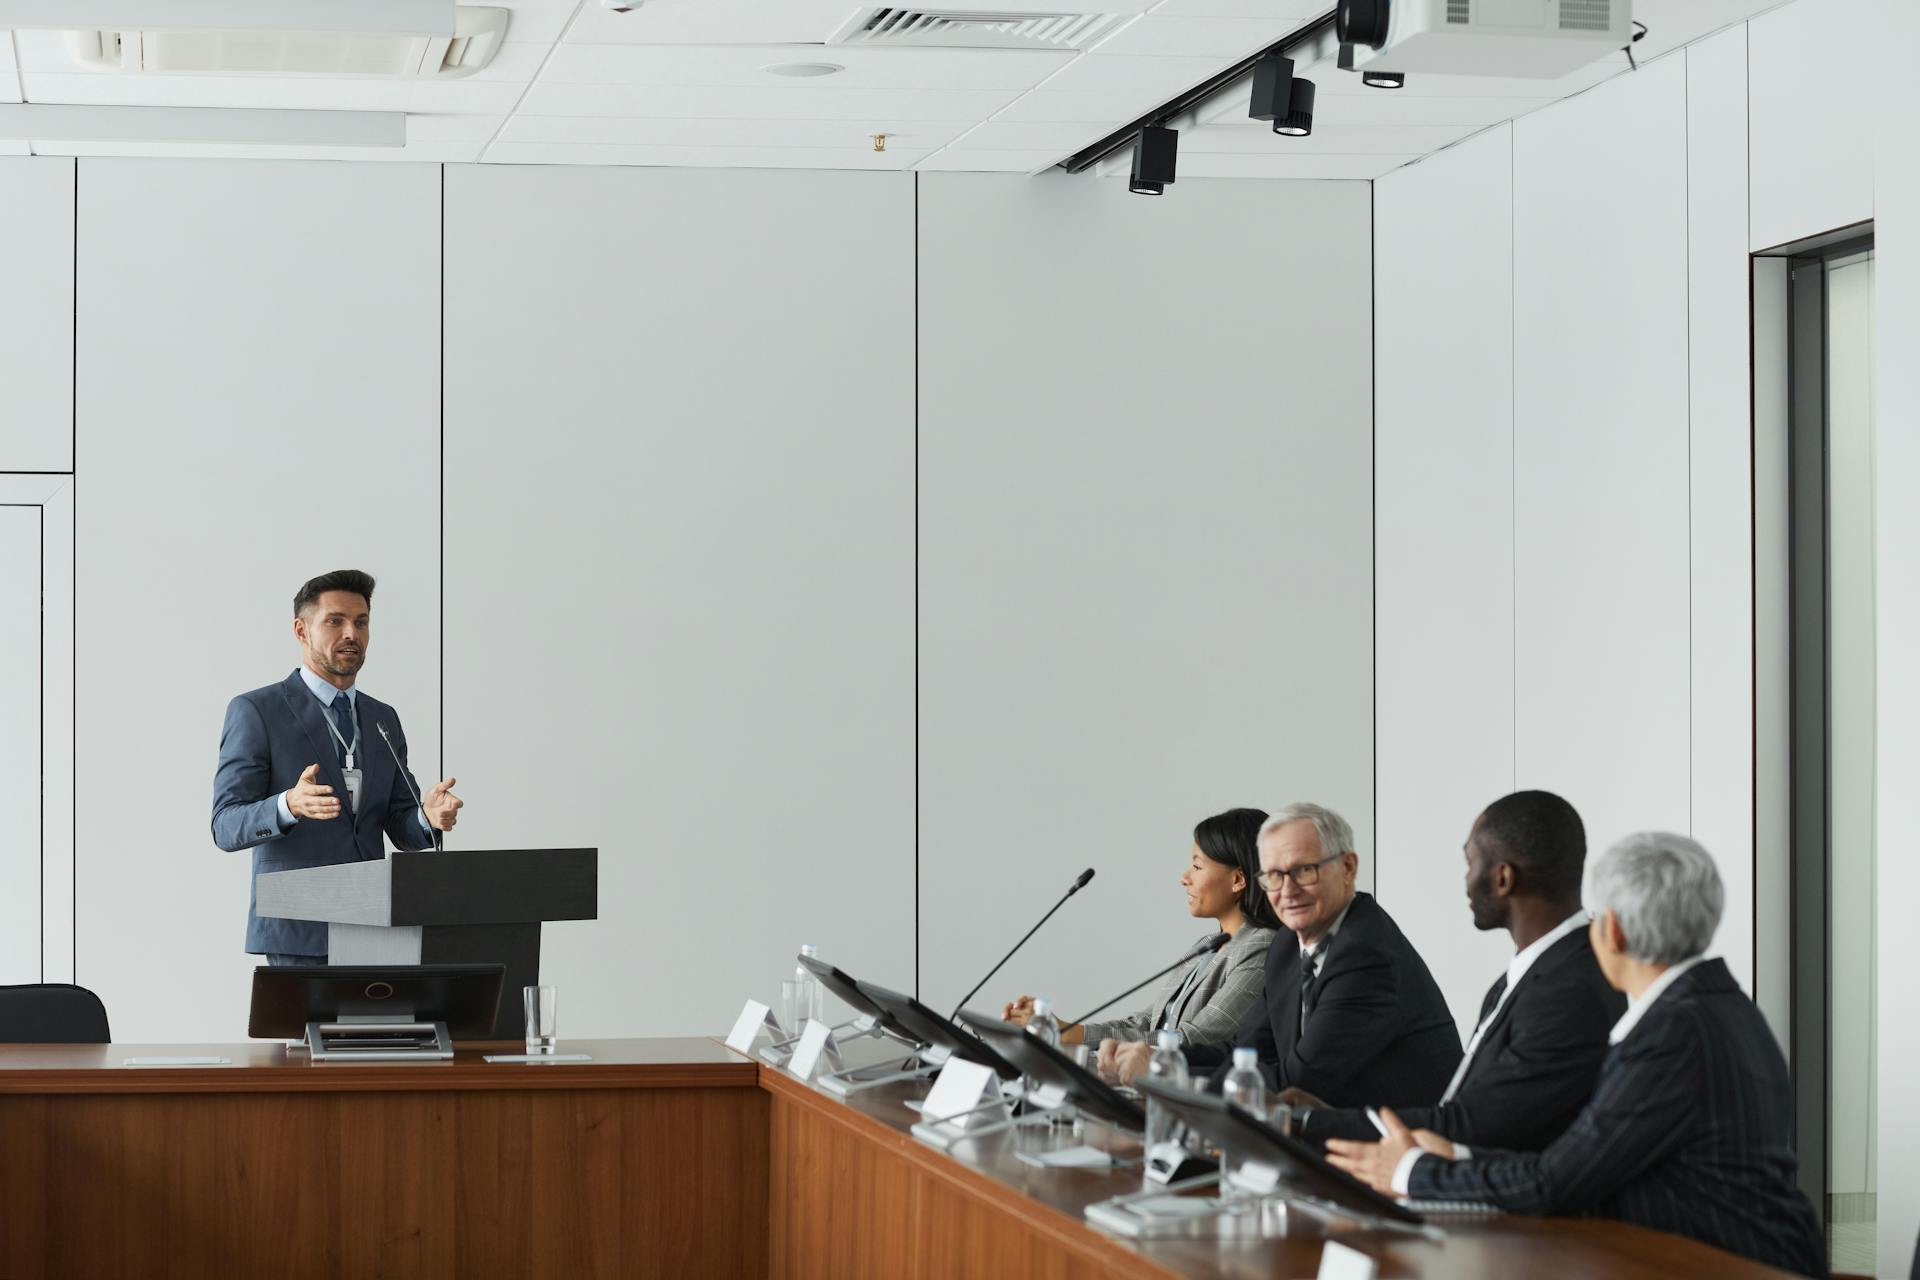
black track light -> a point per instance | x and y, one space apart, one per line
1154 156
1278 97
1298 122
1383 79
1362 22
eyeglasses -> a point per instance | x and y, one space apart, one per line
1304 875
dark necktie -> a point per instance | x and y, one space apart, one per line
1492 1001
1309 970
342 711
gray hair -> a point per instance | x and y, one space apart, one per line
1336 834
1665 892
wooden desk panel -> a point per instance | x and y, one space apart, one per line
848 1176
613 1169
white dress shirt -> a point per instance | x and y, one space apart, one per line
1638 1006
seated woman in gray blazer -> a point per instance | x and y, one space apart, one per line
1205 1000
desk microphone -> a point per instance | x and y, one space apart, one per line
1204 947
1078 885
411 789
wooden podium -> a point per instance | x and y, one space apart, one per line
443 908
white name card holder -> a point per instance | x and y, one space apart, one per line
1337 1262
965 1101
754 1018
816 1043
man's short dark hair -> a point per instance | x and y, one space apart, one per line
361 584
1540 836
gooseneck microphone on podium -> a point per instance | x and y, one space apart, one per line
1204 947
1078 885
412 790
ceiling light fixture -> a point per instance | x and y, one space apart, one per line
1154 159
384 17
803 69
1279 97
1383 79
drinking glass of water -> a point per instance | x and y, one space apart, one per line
543 1019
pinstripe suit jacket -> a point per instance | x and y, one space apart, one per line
1690 1130
1232 983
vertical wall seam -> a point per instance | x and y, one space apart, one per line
73 460
916 584
40 920
1686 188
442 763
1513 453
1373 468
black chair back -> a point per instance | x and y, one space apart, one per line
52 1013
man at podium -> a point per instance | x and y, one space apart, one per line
312 770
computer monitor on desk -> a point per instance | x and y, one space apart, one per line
1304 1172
1051 1068
376 1012
929 1028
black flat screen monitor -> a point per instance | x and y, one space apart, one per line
924 1025
464 996
843 985
1048 1065
1249 1137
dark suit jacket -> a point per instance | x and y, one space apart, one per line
1690 1130
1536 1064
270 735
1378 1030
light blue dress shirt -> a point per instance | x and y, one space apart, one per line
326 693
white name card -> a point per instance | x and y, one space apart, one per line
815 1041
752 1018
962 1087
1337 1262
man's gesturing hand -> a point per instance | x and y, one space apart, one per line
311 798
442 806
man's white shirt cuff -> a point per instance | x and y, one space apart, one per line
1403 1173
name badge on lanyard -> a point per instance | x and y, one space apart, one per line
353 776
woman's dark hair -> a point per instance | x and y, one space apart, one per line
1231 839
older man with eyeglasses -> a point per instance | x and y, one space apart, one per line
1350 1013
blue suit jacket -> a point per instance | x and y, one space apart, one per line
270 736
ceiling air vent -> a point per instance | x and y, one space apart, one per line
1459 11
477 36
1586 15
975 29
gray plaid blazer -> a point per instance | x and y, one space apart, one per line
1233 981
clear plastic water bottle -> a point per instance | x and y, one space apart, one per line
805 998
1245 1088
1167 1065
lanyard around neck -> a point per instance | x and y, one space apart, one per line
353 713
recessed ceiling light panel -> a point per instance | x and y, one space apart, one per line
803 70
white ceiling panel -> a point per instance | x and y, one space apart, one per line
1225 40
712 22
419 153
694 132
1297 13
1384 107
1112 108
747 65
704 157
1157 79
954 160
540 21
1326 140
1296 167
1060 139
777 99
452 96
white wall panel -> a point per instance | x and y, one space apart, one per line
1811 98
20 712
1897 600
1443 281
1600 453
680 569
36 313
1720 479
1145 590
258 403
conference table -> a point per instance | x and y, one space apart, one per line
661 1157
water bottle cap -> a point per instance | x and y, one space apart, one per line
807 949
1169 1040
1246 1058
1042 1007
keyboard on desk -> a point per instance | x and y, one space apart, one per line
1453 1208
